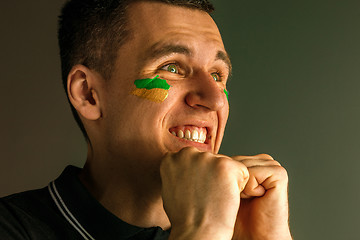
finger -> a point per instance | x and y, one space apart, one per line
259 162
236 167
267 176
251 162
259 156
242 174
264 156
252 188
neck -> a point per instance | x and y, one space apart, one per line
131 193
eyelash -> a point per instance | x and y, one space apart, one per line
220 74
169 64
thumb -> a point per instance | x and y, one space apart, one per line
242 175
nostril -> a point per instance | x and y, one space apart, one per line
208 97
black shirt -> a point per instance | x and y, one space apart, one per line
65 210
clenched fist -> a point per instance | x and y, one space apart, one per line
264 210
201 193
212 196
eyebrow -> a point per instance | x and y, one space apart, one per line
224 56
158 50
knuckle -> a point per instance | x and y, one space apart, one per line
206 155
223 165
282 172
170 160
265 156
245 171
243 174
274 162
226 167
187 150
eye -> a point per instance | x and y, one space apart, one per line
216 77
173 68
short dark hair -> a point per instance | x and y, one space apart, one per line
92 31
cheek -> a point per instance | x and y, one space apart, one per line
227 94
153 89
155 95
224 114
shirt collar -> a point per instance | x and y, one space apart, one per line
87 215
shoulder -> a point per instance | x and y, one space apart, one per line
31 215
27 199
15 213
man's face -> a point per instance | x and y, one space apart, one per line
184 47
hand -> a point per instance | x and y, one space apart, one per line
201 193
263 212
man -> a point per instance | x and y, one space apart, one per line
147 83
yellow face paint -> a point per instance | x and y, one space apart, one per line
153 89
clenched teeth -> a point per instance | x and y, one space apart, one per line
194 136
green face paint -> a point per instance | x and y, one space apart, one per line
154 89
227 94
151 83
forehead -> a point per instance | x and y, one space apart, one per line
152 22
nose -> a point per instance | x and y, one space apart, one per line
206 93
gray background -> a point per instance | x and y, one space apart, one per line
294 94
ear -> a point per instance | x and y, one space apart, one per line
82 87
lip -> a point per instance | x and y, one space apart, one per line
204 147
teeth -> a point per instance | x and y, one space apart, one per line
187 134
195 135
180 134
202 137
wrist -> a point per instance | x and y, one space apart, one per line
200 233
286 235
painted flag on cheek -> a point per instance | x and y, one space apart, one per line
154 89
